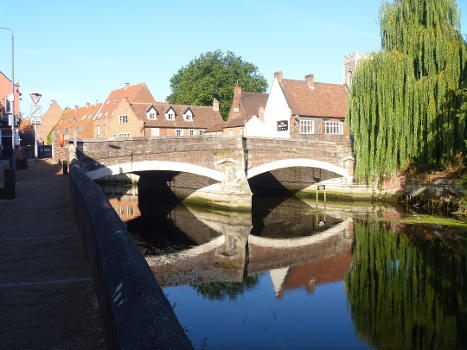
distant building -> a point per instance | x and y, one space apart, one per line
106 123
5 129
93 121
77 120
49 120
133 119
304 109
246 113
351 63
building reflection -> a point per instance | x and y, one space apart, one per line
298 246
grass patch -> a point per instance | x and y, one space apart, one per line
423 219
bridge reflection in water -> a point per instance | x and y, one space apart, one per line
299 246
251 276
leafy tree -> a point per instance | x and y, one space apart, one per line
405 100
214 75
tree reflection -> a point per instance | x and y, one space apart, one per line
406 293
222 290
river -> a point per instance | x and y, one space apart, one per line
296 275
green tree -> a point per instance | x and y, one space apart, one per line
401 105
214 75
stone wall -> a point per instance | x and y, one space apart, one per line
136 312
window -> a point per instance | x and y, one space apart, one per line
124 135
179 132
84 117
235 109
105 129
121 209
130 211
188 115
333 127
108 101
192 132
201 131
106 114
170 114
115 101
306 127
98 131
65 130
124 119
155 132
151 114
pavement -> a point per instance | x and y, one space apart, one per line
47 296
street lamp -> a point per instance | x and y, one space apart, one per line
13 134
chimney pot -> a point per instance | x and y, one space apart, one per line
310 80
261 113
215 105
278 76
237 90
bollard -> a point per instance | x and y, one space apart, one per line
9 180
65 167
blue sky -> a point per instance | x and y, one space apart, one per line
78 51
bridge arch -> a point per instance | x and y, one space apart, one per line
299 162
149 165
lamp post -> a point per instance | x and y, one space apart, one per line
13 133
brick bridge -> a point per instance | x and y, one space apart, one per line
229 160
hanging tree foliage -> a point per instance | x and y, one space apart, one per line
404 104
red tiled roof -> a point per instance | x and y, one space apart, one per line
248 106
129 92
76 119
325 100
215 128
203 116
321 271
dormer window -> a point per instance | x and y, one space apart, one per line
151 114
170 114
188 115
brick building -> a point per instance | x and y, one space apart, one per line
93 121
305 109
49 120
5 129
246 112
162 119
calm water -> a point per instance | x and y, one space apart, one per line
293 276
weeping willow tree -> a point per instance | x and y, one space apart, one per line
407 294
400 105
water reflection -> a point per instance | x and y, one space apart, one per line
406 291
275 278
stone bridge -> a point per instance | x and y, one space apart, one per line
230 161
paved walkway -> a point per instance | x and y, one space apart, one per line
47 298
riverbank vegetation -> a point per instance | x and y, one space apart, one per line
407 105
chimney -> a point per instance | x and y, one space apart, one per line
215 105
126 85
237 90
76 106
261 113
278 76
310 80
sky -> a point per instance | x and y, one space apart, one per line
76 52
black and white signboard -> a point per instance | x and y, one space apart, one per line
321 187
282 125
36 114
